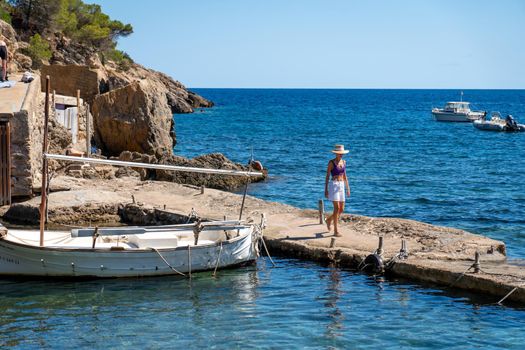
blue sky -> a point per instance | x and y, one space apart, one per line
329 43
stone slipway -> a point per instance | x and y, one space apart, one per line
439 255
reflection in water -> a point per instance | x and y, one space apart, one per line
335 316
295 305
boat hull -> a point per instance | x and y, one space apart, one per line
488 126
27 260
456 117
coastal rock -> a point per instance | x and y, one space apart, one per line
18 61
80 207
211 161
136 118
179 98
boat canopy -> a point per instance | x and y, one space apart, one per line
457 106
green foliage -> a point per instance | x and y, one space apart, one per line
34 16
38 50
5 11
121 58
64 19
85 23
91 24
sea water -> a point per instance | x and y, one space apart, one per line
297 305
402 164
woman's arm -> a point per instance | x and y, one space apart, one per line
346 182
328 170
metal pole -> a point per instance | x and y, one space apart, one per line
43 190
321 211
152 166
244 197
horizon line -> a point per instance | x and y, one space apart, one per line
348 88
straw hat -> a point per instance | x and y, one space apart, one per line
340 149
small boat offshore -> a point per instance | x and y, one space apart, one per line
497 123
457 112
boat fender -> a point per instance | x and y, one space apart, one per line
374 264
255 164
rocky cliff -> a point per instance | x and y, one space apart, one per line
135 117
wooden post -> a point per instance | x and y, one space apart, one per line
53 105
8 162
321 211
88 131
43 192
332 242
202 189
78 110
380 246
476 263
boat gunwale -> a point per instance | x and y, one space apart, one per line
120 251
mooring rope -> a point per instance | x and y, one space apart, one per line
192 214
167 263
267 252
218 260
189 260
461 276
508 295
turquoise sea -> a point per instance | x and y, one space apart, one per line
402 164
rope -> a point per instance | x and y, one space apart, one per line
365 266
267 253
192 214
392 261
167 263
189 261
461 276
508 295
217 264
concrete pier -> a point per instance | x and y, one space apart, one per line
440 255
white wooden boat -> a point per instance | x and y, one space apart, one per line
129 251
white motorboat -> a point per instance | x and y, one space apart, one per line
497 123
129 251
457 112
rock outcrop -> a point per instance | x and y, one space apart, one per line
18 61
133 118
179 98
211 161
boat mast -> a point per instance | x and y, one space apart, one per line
43 191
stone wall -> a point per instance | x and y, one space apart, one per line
67 79
26 142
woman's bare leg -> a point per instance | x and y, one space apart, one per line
341 209
330 218
335 217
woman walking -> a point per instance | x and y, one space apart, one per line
334 190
